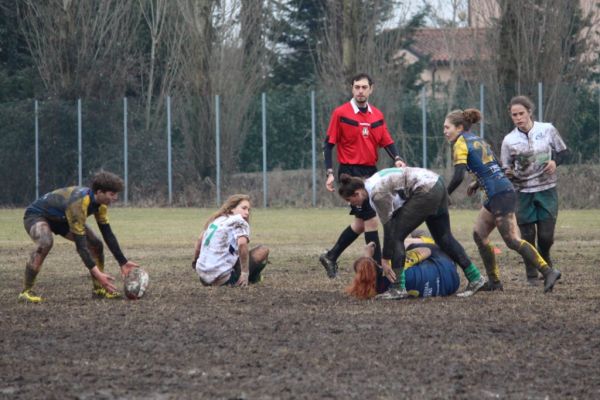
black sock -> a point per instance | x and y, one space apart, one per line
373 236
346 238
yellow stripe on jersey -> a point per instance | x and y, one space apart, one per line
460 151
76 213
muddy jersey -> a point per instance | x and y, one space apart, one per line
357 135
472 151
219 251
389 188
527 154
71 205
434 276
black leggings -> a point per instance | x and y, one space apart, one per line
545 240
432 208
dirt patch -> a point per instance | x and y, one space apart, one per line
296 335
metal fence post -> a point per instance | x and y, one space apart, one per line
424 115
540 103
313 128
37 151
79 141
169 150
482 109
264 147
125 151
218 148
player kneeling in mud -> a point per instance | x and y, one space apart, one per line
404 198
429 272
222 256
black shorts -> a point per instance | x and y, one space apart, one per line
502 203
365 211
57 227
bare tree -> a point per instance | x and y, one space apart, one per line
82 48
163 62
227 58
532 41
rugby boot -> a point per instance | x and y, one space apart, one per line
29 296
330 265
491 286
473 287
104 294
533 276
551 275
393 294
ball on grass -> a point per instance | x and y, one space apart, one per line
136 283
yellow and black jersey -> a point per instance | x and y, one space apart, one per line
71 205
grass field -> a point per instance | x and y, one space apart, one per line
296 334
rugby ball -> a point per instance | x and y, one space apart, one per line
136 283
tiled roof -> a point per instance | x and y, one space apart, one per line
445 44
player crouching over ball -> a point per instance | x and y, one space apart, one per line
64 212
221 255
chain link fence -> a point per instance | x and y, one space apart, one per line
277 158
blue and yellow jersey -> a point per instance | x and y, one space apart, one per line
434 276
472 151
71 205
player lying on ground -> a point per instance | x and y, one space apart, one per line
429 272
404 198
473 154
64 212
221 256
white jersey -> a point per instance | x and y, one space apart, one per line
219 251
389 188
527 153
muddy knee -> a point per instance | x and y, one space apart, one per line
43 245
513 243
260 253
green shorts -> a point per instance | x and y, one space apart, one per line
539 206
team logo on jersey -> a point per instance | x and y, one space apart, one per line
365 129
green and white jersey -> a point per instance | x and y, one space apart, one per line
390 188
219 251
527 154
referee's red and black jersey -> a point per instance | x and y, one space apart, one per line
357 135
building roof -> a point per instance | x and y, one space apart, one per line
445 44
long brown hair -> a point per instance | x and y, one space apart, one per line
232 202
364 284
